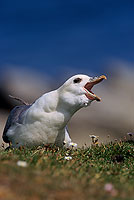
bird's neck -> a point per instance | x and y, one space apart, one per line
67 109
51 102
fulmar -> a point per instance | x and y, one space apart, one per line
45 121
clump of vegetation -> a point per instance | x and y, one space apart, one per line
96 172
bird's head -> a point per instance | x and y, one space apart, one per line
76 91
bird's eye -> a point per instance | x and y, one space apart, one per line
77 80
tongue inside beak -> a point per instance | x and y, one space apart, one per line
89 94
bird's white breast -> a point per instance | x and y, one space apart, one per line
40 127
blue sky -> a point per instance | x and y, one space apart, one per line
55 35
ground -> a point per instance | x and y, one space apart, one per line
96 172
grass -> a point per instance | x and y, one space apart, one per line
88 175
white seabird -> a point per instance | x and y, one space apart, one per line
45 121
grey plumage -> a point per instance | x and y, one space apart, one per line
14 117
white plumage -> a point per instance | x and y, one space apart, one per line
45 121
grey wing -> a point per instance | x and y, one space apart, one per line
14 117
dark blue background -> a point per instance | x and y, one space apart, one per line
53 36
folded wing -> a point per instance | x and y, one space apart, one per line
14 117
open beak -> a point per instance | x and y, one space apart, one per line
89 94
